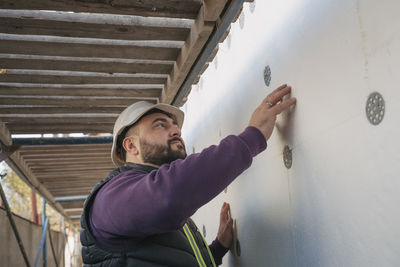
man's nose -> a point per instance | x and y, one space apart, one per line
175 131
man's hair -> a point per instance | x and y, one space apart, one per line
120 148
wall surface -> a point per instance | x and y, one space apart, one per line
338 205
30 233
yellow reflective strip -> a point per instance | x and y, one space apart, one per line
209 252
191 244
200 257
195 247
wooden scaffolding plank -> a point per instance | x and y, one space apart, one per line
92 176
199 34
103 157
59 128
66 193
65 168
72 204
90 30
66 152
58 120
82 64
63 148
74 213
75 78
60 110
71 181
55 174
213 9
75 162
87 50
69 150
42 91
152 8
69 101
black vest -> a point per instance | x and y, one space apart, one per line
168 249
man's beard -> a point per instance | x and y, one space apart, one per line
160 154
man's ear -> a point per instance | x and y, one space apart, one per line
130 146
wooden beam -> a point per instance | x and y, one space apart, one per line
103 160
75 185
60 110
100 148
199 34
68 182
45 164
37 91
67 169
61 148
92 175
65 193
152 8
50 170
52 48
213 9
90 30
65 156
74 213
78 64
72 204
69 101
58 120
76 78
65 152
5 135
97 176
71 166
60 128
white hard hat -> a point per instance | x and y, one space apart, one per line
132 114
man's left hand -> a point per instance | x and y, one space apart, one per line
225 231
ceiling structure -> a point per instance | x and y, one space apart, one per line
71 66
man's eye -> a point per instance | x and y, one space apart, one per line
159 125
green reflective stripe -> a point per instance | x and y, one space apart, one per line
209 252
194 246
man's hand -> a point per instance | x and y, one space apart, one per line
225 231
264 116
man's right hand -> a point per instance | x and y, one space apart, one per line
264 116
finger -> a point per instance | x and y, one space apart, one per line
266 99
277 96
284 105
224 212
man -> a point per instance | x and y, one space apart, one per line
140 214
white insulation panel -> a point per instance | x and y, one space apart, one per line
338 205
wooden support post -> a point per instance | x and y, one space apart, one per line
35 217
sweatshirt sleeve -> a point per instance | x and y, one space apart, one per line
136 204
218 251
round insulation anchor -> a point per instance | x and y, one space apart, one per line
375 108
241 20
235 249
267 75
287 157
252 6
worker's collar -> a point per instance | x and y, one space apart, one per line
140 167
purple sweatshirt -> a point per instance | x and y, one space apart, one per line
136 204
